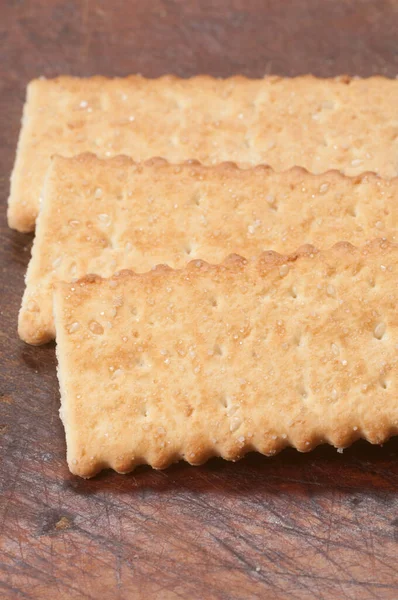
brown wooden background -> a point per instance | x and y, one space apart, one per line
317 526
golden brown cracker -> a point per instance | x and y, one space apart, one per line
320 124
100 216
220 360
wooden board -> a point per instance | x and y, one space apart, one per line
322 525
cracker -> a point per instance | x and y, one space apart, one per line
219 360
320 124
100 216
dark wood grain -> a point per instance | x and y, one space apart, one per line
322 525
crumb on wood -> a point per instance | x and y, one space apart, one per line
6 398
63 523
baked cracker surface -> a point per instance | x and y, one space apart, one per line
101 216
320 124
219 360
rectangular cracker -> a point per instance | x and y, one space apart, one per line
219 360
100 216
320 124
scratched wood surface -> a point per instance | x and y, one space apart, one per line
321 525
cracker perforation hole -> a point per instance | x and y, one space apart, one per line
352 211
298 339
218 350
197 197
224 401
379 330
303 392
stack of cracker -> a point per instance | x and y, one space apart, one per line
217 260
